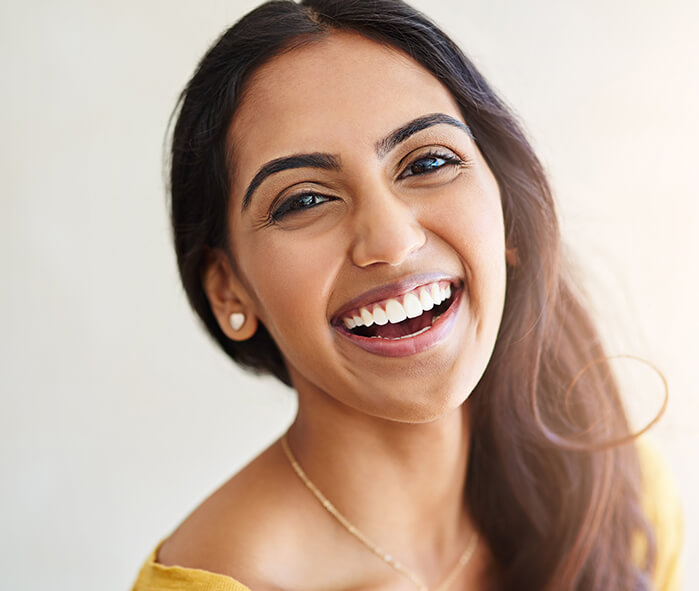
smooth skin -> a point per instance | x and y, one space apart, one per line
385 438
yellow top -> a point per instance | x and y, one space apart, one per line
661 506
660 502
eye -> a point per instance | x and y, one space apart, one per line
430 163
297 203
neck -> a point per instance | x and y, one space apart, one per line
400 484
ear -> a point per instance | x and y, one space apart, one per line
229 300
511 257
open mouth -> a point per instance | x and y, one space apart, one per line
401 318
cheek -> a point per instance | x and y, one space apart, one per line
471 217
471 221
292 279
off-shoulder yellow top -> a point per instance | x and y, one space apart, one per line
661 506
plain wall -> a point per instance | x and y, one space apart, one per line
118 415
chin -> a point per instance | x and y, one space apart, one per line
417 408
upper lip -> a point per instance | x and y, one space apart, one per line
391 290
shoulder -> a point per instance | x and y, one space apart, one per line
235 530
663 509
255 531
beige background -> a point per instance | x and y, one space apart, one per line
118 415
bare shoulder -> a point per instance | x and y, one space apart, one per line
235 531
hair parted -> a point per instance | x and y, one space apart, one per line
558 509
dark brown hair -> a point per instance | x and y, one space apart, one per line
557 505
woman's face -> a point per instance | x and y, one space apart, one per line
359 198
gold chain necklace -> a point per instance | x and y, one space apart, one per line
395 564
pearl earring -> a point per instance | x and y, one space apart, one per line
237 319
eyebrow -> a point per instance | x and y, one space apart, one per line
330 162
401 134
315 160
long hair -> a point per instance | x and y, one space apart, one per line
556 502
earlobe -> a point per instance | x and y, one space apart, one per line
242 325
227 297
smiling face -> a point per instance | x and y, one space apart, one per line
366 229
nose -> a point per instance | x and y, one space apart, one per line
385 229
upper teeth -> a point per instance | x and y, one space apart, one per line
394 310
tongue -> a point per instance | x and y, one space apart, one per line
401 329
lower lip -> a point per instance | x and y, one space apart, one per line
409 345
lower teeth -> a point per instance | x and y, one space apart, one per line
407 336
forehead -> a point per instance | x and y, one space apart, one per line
330 95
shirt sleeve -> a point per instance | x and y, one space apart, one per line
154 576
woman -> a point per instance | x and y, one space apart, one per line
357 213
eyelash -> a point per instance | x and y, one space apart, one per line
291 204
449 160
